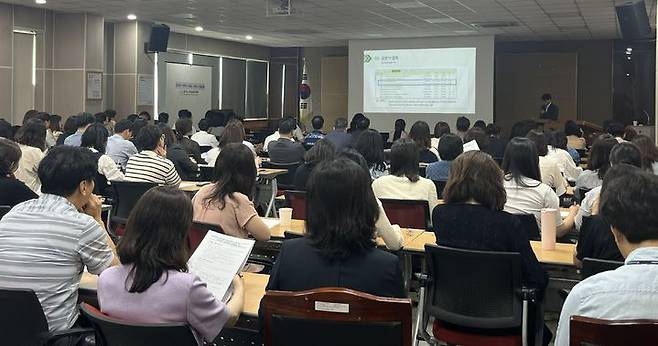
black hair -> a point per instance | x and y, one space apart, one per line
400 125
148 138
615 128
572 129
599 157
203 125
317 122
546 97
29 115
122 125
322 150
450 146
355 119
480 124
132 117
404 159
539 138
63 169
420 133
341 210
215 117
628 196
287 125
356 157
340 124
184 113
100 117
163 117
32 133
70 126
371 146
110 113
170 136
155 237
138 125
10 154
55 122
521 160
234 171
648 149
362 124
627 153
6 130
557 139
463 124
441 128
492 130
85 119
183 126
145 115
95 136
43 116
477 134
521 128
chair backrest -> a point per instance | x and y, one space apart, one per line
115 332
205 173
204 148
4 209
285 181
22 319
592 331
529 224
335 316
297 201
126 195
593 266
407 213
440 185
476 289
197 232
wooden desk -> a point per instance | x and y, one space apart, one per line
270 173
191 186
254 289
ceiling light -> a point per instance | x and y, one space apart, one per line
198 28
407 5
440 20
40 2
249 37
131 17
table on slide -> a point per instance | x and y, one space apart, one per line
254 289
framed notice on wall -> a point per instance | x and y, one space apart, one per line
145 90
94 85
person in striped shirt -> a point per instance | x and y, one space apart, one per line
45 243
151 164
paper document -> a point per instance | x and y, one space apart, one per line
271 222
218 259
471 146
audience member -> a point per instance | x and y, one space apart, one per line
6 130
285 149
70 126
31 138
216 121
420 134
359 124
55 128
29 115
186 168
462 125
95 138
151 165
317 122
110 120
12 190
275 136
339 136
145 115
574 134
83 121
183 133
557 151
46 243
521 128
119 147
338 246
358 117
629 292
153 283
371 145
136 128
203 138
649 153
629 133
399 131
450 147
50 138
526 194
479 136
226 202
322 150
616 130
549 168
480 124
441 128
233 133
404 181
163 118
599 162
101 118
497 144
132 117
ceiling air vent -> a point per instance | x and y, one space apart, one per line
494 25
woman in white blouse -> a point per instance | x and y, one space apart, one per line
549 168
558 152
95 138
526 194
31 138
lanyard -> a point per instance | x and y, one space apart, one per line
641 262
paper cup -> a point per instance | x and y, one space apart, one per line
548 228
285 215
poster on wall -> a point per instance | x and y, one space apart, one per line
94 85
145 90
188 87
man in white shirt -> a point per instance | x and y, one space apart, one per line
204 138
629 292
119 147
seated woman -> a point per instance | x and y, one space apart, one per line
338 248
184 130
549 168
322 150
420 133
649 153
226 201
598 165
404 181
558 151
526 194
233 133
31 138
450 147
399 132
95 138
371 146
441 128
12 190
187 168
152 284
574 135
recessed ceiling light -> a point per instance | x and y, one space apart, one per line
407 5
131 17
249 37
40 2
198 28
441 20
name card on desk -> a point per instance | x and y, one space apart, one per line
332 307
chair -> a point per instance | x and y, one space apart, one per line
592 331
24 323
335 316
237 336
112 331
440 185
126 195
593 266
297 201
407 213
284 181
476 297
205 173
529 224
197 232
4 209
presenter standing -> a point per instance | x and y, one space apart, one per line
549 110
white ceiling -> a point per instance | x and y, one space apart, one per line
333 22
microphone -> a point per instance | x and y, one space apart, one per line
647 115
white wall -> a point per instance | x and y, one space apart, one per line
484 66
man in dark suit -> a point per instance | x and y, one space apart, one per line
339 136
548 109
285 149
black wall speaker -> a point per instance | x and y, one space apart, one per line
159 38
633 21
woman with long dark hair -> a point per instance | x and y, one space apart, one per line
321 151
420 133
649 153
31 138
599 163
399 131
226 202
371 146
152 284
95 138
12 190
233 132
